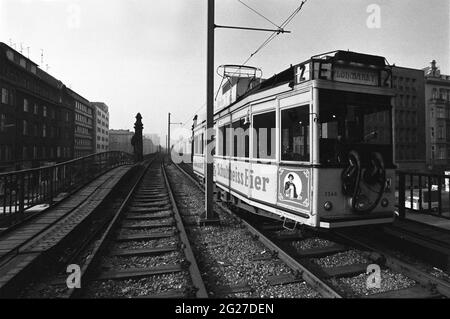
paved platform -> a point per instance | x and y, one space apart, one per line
429 220
25 243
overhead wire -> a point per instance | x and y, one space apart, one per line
260 14
275 33
266 42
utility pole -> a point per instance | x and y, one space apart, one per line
210 214
168 136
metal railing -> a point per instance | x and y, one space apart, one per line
22 190
423 193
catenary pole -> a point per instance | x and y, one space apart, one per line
209 209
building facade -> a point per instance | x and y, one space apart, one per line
101 127
84 125
120 140
437 97
36 122
409 118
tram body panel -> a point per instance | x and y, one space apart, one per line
341 213
316 119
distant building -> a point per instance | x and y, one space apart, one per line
148 146
437 97
156 140
151 143
36 118
120 140
84 125
101 127
409 118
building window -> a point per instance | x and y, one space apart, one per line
441 132
25 128
23 63
44 111
5 96
441 154
435 93
10 55
25 105
36 108
3 123
44 130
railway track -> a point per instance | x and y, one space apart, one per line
335 263
143 251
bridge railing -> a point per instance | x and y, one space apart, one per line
22 190
425 193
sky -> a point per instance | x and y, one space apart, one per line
149 56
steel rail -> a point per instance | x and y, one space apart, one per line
88 267
193 267
318 284
425 279
400 266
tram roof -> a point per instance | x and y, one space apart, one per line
287 76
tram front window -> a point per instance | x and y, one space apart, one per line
294 134
353 121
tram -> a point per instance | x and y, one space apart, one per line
312 144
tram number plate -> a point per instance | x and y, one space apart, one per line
331 194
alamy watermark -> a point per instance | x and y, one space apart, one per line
237 144
374 278
374 19
74 278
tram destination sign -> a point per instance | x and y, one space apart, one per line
357 76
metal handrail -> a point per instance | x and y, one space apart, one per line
21 190
413 186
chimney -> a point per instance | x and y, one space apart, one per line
433 67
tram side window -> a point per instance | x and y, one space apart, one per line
295 134
264 135
195 144
202 145
198 144
223 141
240 139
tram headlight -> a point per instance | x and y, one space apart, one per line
328 206
384 202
